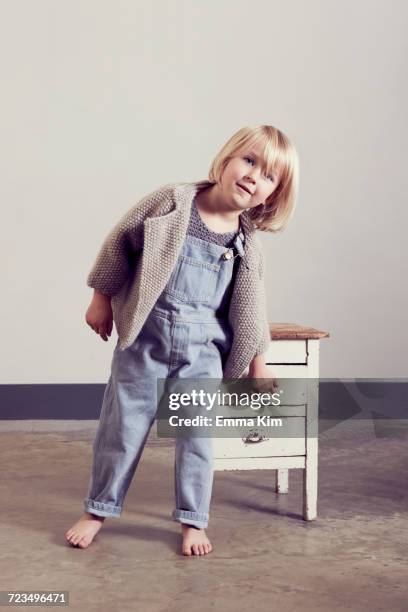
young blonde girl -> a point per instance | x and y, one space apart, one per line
181 275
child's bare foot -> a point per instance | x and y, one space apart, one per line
195 541
83 532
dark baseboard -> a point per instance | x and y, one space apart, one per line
339 400
66 401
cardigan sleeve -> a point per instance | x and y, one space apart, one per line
265 332
122 245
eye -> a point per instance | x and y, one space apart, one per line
250 158
269 177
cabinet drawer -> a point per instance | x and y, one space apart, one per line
292 391
288 371
287 351
285 441
284 410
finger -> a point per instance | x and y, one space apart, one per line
102 333
264 384
266 388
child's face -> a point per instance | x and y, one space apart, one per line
247 168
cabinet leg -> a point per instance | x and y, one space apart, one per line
282 481
310 493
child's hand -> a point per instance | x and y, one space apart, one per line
263 378
99 315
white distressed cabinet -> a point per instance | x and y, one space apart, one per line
292 354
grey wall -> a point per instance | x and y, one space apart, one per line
105 101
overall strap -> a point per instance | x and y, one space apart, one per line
237 248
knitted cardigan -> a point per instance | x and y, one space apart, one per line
137 258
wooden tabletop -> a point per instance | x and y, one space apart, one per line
292 331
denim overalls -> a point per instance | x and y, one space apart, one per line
186 335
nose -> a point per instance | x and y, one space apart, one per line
252 175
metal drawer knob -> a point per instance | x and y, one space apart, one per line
254 437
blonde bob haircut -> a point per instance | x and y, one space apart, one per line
280 157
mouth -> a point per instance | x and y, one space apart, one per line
244 188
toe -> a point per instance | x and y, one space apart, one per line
187 551
201 549
195 549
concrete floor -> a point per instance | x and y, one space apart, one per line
353 557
